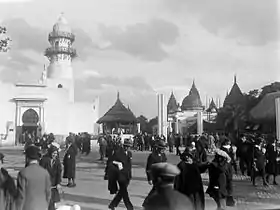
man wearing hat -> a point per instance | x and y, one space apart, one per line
157 156
166 198
33 182
120 164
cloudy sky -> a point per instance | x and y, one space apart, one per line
143 47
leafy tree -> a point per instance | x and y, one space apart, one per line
273 87
4 40
143 123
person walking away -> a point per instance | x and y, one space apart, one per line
189 181
157 156
171 141
166 198
52 164
177 144
102 147
8 191
217 178
33 184
122 160
69 162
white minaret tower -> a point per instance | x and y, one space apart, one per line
60 55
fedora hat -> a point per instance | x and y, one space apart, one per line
32 152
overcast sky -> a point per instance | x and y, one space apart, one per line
142 47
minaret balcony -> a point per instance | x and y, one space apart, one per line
61 34
60 50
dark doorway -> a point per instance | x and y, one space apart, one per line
30 120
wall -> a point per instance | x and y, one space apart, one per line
83 118
7 114
57 111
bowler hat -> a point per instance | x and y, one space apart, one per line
164 169
160 144
32 152
127 143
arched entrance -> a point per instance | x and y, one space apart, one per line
30 120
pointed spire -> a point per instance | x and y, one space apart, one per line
234 79
118 95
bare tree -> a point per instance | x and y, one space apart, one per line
4 39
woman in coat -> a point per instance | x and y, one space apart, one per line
69 162
189 181
217 188
52 164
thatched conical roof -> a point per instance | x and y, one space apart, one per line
118 113
265 109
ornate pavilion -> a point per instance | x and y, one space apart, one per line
118 119
191 113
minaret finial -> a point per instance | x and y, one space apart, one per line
234 78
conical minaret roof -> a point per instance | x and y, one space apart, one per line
192 101
172 105
118 113
235 95
212 107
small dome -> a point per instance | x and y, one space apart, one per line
61 25
192 101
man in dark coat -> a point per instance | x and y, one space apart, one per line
69 162
272 156
121 159
166 198
157 156
189 181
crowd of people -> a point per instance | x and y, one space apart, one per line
172 187
258 154
41 177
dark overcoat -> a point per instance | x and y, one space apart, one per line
217 187
69 162
189 182
113 173
272 166
154 157
167 198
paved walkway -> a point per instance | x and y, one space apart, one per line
91 192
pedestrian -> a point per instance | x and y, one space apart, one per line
166 198
272 157
52 164
33 183
69 162
157 156
217 187
189 181
102 147
8 191
121 160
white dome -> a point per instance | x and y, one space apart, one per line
61 25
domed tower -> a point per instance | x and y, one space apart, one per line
60 55
192 101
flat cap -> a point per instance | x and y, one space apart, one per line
164 169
